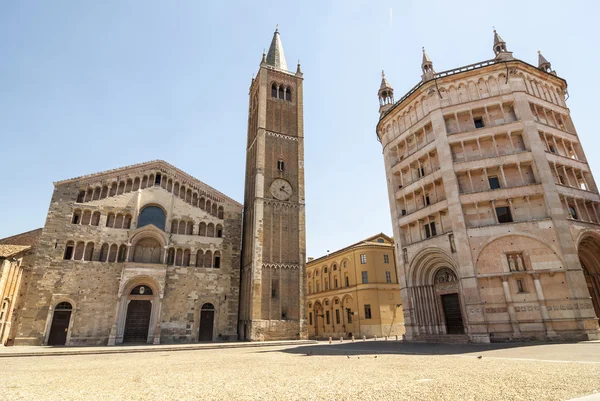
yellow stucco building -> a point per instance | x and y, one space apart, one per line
355 292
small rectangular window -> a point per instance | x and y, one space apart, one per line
478 121
520 287
337 316
335 282
349 317
430 230
367 311
365 277
552 150
280 165
217 262
494 182
347 280
388 277
386 259
327 319
427 200
363 259
310 318
503 214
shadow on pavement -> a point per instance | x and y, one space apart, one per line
404 348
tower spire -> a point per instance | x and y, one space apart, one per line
275 56
544 64
386 94
427 67
500 48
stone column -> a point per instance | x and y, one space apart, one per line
543 309
511 308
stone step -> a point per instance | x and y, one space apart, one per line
444 338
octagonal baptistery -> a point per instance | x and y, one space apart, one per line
140 254
493 204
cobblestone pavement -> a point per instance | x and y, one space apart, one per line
359 371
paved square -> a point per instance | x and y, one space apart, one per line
350 371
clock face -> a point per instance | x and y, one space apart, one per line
281 189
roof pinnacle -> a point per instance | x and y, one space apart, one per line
275 56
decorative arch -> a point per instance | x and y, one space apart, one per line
426 263
554 248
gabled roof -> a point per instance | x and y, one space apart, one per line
388 242
275 56
153 164
28 238
7 251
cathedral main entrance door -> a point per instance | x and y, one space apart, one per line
452 314
137 321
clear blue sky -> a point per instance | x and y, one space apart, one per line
88 86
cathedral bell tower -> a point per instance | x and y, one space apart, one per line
272 290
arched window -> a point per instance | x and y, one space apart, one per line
119 221
171 256
147 250
186 257
97 193
96 219
208 206
76 217
288 94
202 229
103 253
195 199
182 192
152 215
151 180
129 185
81 197
122 253
281 96
208 306
280 165
208 259
274 90
178 257
113 189
89 194
214 209
199 258
210 230
176 189
217 260
79 248
157 179
174 226
181 228
136 184
127 221
221 212
89 251
86 218
190 228
104 193
144 182
110 220
188 196
112 254
219 231
202 203
170 185
121 188
68 255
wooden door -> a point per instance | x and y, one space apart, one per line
59 328
207 318
452 314
137 321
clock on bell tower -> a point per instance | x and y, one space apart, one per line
272 293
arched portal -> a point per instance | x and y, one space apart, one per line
207 322
137 321
60 324
434 292
589 256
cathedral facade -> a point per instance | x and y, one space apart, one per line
149 254
494 207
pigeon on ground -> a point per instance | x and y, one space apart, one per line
479 357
